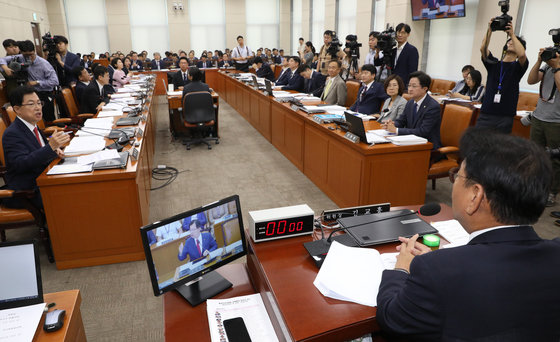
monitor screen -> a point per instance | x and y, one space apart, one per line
437 9
186 246
20 283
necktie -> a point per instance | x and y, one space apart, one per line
414 113
185 79
37 135
362 92
198 246
327 88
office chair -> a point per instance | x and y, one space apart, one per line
352 89
198 115
441 87
72 108
9 115
455 120
19 218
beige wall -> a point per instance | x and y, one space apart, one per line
57 18
16 18
305 20
363 23
118 25
178 21
285 25
235 22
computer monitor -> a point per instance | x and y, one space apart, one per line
20 270
184 251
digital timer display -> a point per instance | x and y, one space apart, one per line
278 223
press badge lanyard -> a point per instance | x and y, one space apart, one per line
498 95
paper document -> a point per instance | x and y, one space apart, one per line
381 132
341 277
175 93
375 139
523 113
121 96
478 105
69 168
106 123
125 90
98 156
453 232
250 308
86 131
84 145
339 110
20 324
113 106
405 140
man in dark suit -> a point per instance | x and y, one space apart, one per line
371 94
198 244
96 94
503 284
314 81
285 74
225 62
157 63
181 77
421 115
262 69
276 59
84 78
26 151
136 64
67 60
295 82
204 62
405 54
195 82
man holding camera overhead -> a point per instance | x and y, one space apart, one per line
545 120
502 85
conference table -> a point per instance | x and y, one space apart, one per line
94 218
349 173
73 328
283 273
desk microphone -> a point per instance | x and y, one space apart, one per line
118 143
318 249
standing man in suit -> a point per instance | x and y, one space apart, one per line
195 84
314 81
198 245
67 60
371 94
96 94
263 70
295 81
405 54
136 63
26 151
502 285
84 78
335 88
181 77
422 114
241 55
157 63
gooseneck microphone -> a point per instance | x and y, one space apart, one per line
118 143
429 209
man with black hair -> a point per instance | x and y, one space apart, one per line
503 284
301 48
84 78
499 105
11 47
405 54
374 56
26 151
461 84
40 75
195 84
67 60
295 81
181 77
314 81
204 62
371 94
136 64
241 55
285 74
324 56
96 94
276 59
421 115
262 69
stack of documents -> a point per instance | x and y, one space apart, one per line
109 113
113 106
281 94
335 109
405 140
453 232
313 109
63 169
381 132
85 145
98 156
20 324
175 93
105 123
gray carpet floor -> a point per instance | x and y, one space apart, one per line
117 300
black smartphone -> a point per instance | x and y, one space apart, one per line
236 330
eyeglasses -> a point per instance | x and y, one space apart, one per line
38 103
454 173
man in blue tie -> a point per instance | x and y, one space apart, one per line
371 94
198 245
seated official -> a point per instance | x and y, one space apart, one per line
119 77
285 74
96 94
225 62
314 81
157 63
195 82
295 81
335 88
473 89
136 64
181 77
262 69
204 62
200 217
198 244
422 114
500 286
84 78
393 107
26 151
371 94
462 82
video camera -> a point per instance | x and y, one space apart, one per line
49 45
550 52
499 23
386 42
334 47
353 45
20 73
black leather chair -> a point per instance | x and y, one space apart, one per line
199 117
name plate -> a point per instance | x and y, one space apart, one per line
294 107
134 153
139 133
318 120
143 117
352 137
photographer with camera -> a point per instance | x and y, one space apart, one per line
12 49
499 105
33 71
351 57
545 120
67 61
329 51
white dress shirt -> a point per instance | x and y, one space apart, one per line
32 129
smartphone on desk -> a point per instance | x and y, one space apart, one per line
236 330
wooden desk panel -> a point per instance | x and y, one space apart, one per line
73 328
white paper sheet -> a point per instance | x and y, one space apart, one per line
69 168
453 232
84 145
20 324
98 156
109 113
405 140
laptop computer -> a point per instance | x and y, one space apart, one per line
112 163
268 86
356 126
20 283
256 83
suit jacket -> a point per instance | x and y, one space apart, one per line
195 86
427 124
395 111
370 101
190 249
502 285
222 64
139 65
284 77
80 88
295 82
407 62
337 92
276 59
266 72
25 158
91 98
178 80
316 84
71 61
154 64
207 64
111 73
120 79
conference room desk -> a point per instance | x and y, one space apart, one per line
350 174
94 218
73 328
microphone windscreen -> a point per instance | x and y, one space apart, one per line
429 209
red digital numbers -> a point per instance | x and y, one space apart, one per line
270 232
272 229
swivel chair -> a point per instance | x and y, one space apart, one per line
199 115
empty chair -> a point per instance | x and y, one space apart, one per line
199 117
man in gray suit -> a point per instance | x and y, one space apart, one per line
335 87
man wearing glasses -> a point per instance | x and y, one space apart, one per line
26 151
503 284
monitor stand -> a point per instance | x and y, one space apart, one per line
206 287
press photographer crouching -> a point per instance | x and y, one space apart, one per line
39 73
545 120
